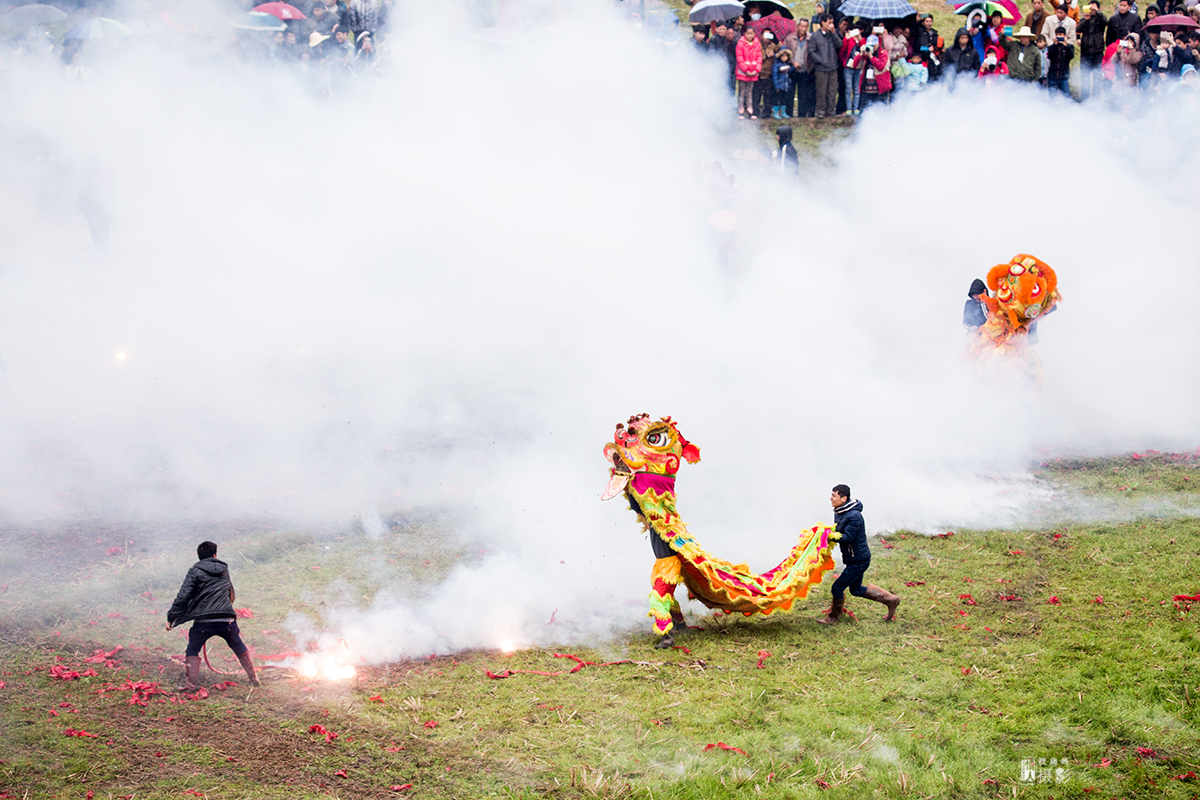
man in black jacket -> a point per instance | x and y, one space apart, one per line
1122 23
206 598
1091 32
856 557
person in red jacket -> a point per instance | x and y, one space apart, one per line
993 65
876 72
747 65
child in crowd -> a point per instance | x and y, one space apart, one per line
916 73
781 81
764 91
852 70
1041 46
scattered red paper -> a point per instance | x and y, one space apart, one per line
193 791
945 535
393 748
1105 762
966 670
508 673
431 723
914 583
763 655
1010 597
968 600
376 699
963 613
244 613
545 705
885 544
61 673
112 551
1146 752
116 615
681 647
822 783
1188 597
1099 600
223 685
85 734
401 787
1057 536
1054 601
160 755
101 656
321 729
1016 552
1187 776
723 746
341 773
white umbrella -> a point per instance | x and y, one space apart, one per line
715 11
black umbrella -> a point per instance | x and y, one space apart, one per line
32 15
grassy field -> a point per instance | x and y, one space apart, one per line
1024 664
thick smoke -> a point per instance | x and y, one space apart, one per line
447 284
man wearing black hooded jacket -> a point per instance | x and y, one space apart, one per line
206 598
856 557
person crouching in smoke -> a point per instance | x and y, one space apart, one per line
206 598
856 557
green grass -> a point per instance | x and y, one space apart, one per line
946 702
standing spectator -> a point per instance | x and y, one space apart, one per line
876 72
995 35
364 15
815 22
1072 7
803 82
1091 49
700 38
718 46
732 37
319 21
763 88
781 82
1060 54
851 70
1036 18
823 48
1123 62
1122 23
974 310
1024 58
1061 20
928 45
962 56
749 62
1152 11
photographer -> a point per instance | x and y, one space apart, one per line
1060 55
993 67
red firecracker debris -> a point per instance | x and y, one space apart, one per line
82 734
1187 776
1057 536
968 600
193 792
102 656
1054 601
321 729
945 535
149 596
244 613
885 544
1099 600
966 670
431 723
763 655
115 551
1146 752
914 583
507 673
822 783
341 773
991 782
548 706
223 685
723 746
1105 762
116 615
401 787
1009 598
1016 552
681 647
376 699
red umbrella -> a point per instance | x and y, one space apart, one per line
281 10
1171 21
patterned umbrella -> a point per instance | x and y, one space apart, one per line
33 15
98 28
877 9
778 25
280 10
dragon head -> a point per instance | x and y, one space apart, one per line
1025 288
644 445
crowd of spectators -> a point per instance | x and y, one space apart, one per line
833 64
334 43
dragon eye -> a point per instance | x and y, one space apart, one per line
657 439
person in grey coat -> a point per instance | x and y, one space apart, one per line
206 599
822 59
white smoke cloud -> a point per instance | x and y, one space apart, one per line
446 287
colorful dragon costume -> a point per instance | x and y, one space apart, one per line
1026 289
645 455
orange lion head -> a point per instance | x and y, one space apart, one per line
1026 288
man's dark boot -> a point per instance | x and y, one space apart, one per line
665 642
892 601
678 623
248 665
834 612
191 674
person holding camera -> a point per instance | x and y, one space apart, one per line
876 72
1060 55
993 66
